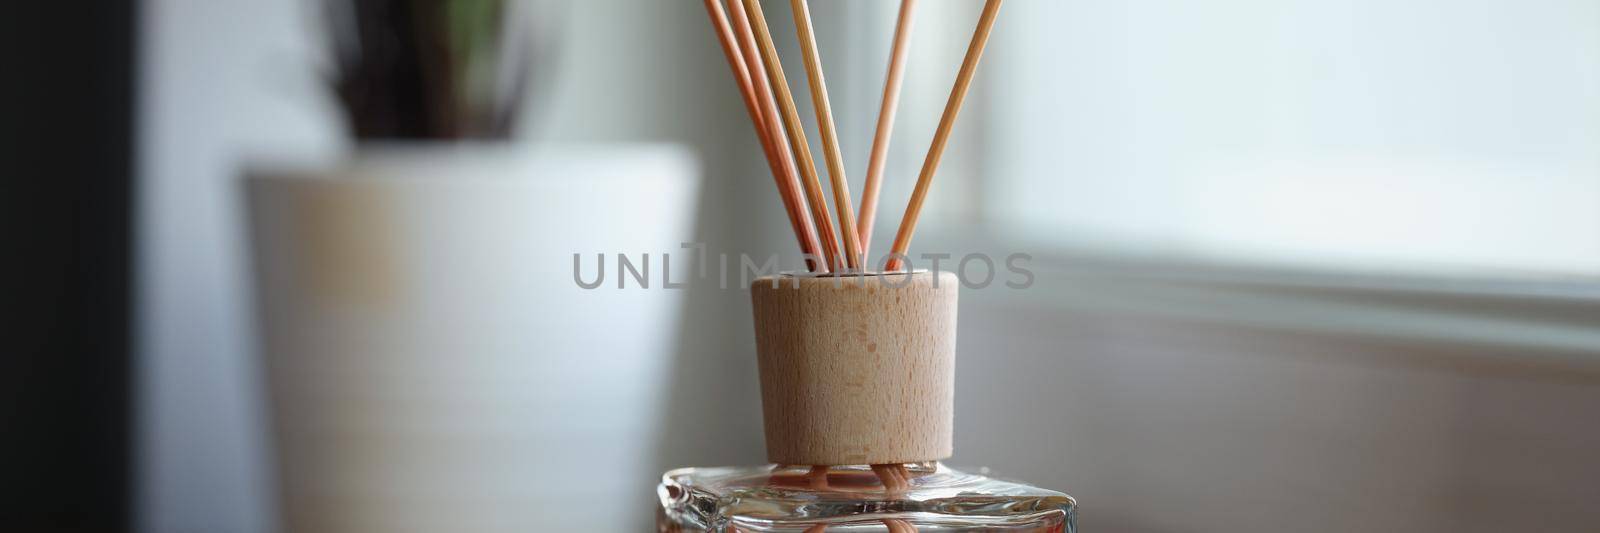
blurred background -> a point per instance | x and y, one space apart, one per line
1301 265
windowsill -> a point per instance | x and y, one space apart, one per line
1552 318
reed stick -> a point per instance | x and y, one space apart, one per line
730 52
895 525
880 138
817 479
896 480
744 75
781 154
941 136
842 204
796 131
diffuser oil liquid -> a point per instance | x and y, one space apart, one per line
838 499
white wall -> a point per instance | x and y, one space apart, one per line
221 80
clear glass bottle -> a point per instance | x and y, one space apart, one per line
931 498
856 371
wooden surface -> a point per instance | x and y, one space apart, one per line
856 370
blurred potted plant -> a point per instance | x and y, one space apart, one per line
429 69
429 361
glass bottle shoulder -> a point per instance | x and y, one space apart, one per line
781 498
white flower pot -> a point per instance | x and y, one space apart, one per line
430 361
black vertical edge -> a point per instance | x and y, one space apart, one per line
68 94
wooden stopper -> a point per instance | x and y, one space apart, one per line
857 369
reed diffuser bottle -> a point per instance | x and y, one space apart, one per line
857 370
857 391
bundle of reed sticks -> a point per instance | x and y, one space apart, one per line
747 43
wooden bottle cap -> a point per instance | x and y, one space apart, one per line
857 369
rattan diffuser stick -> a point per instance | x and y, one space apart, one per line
880 139
747 72
941 136
796 130
830 136
782 154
